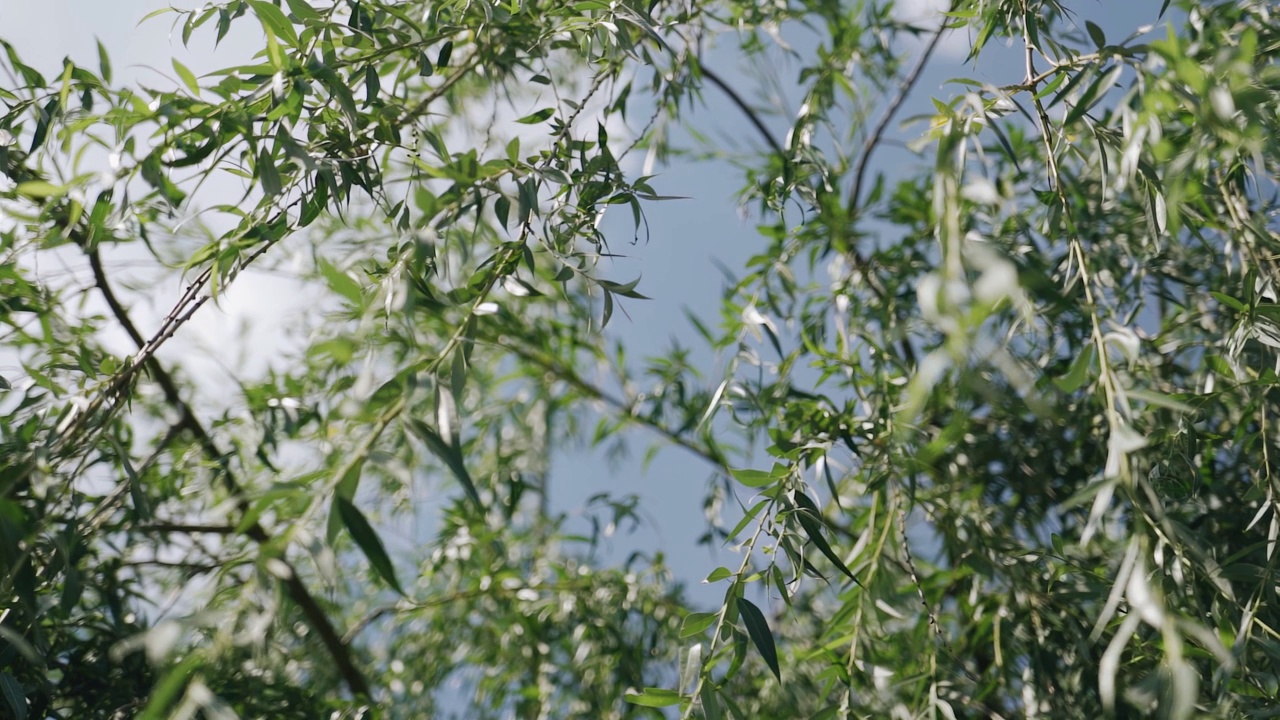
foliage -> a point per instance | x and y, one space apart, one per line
990 432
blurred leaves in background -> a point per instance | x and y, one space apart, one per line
989 424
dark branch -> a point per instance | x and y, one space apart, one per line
746 109
877 133
298 592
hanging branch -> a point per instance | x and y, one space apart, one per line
298 592
876 135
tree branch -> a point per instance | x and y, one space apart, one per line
619 405
298 592
877 133
646 26
746 109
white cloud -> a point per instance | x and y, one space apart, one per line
955 44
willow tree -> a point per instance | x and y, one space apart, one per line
990 434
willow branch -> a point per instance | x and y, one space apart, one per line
316 617
624 409
646 25
747 110
877 133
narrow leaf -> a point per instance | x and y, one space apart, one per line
1078 372
452 457
1227 300
188 78
104 64
14 697
695 623
711 709
760 634
275 21
37 189
718 574
753 478
362 532
340 282
535 118
653 697
1095 33
811 520
346 488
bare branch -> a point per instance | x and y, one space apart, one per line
877 133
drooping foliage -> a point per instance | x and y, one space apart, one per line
989 422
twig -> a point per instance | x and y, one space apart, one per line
298 592
876 134
405 606
746 109
624 409
189 529
644 24
928 609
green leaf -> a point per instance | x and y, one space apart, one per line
627 290
370 544
268 174
760 634
14 696
1160 400
104 64
37 189
1219 365
811 520
458 373
1091 95
718 574
155 176
502 209
1051 86
1095 33
697 622
274 21
452 457
753 478
747 517
166 691
653 697
302 10
156 13
346 488
1229 301
341 283
1078 372
710 700
188 78
535 118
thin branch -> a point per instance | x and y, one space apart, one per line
645 25
407 606
746 109
189 529
877 133
298 592
624 409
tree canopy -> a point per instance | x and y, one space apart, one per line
986 419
